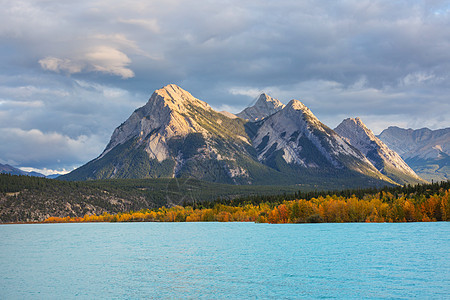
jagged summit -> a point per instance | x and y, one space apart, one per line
426 151
301 139
177 135
298 105
264 107
162 117
177 98
352 129
421 143
384 159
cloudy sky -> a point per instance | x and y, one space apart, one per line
72 71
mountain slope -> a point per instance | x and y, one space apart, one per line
426 151
295 138
264 107
7 169
177 135
384 159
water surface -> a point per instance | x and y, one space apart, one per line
225 260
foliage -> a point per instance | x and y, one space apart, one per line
27 199
423 203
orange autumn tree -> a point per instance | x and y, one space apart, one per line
378 207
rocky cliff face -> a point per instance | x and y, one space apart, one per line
174 135
177 135
295 134
386 161
264 107
423 143
426 151
165 115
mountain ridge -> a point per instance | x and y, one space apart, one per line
387 161
177 135
264 107
426 151
8 169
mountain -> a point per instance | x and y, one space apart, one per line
228 114
53 176
294 138
7 169
386 161
177 135
426 151
264 107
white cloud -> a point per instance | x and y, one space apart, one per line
46 171
10 104
109 60
26 91
386 61
102 59
36 148
250 92
57 65
417 78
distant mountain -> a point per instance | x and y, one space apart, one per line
53 176
7 169
264 107
387 161
228 114
426 151
178 135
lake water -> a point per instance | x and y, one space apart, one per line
225 260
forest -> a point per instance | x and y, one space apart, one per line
420 203
33 199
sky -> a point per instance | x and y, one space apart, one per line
72 71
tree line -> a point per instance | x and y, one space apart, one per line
422 203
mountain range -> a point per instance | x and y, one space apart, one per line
426 151
177 135
387 161
7 169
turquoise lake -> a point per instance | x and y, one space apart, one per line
225 260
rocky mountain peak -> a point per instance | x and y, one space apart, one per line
357 121
426 151
175 134
384 159
294 107
165 115
298 105
264 107
354 127
176 98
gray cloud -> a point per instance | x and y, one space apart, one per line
76 70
